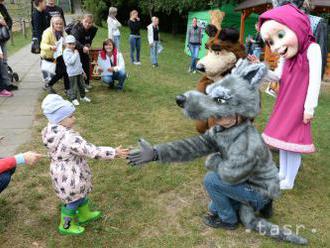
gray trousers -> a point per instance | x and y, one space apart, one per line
4 66
77 87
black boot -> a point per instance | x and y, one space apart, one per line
214 221
267 210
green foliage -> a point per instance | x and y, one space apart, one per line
98 8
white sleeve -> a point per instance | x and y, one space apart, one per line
314 57
118 24
275 76
150 35
0 50
121 62
110 33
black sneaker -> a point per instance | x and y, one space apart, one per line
214 221
11 87
267 210
49 89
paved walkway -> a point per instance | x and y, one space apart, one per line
17 113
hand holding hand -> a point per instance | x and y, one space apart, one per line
32 157
110 69
308 118
253 59
53 48
145 154
121 152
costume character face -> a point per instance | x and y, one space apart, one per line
280 39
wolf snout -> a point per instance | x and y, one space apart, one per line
200 67
180 100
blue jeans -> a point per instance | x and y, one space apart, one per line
135 44
194 50
116 40
110 79
154 53
76 204
226 199
4 65
5 178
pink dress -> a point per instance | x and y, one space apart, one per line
286 129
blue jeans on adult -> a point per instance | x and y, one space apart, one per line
110 79
135 44
5 178
194 50
4 65
154 53
116 40
226 198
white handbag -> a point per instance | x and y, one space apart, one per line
48 66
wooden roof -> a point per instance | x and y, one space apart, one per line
320 5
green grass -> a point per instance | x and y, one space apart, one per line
157 205
19 41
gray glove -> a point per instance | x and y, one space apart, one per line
145 154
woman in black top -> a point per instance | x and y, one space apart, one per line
39 21
134 24
84 32
5 20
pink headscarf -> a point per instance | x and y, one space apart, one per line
298 22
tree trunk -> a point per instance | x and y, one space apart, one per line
175 22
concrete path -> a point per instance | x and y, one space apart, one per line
17 112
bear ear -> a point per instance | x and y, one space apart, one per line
229 34
211 30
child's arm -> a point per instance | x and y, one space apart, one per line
81 147
314 57
70 57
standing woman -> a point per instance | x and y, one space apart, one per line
48 46
194 43
39 19
5 20
84 32
134 25
153 39
39 25
113 27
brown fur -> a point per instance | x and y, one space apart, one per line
219 41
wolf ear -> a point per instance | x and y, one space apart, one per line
211 30
253 73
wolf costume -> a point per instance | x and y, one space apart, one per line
238 154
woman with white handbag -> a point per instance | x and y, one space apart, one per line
52 44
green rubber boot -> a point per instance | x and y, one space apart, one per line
68 224
85 215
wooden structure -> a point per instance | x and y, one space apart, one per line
259 6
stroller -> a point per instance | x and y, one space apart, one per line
13 76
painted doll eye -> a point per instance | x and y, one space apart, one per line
281 34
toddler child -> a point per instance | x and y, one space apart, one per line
75 71
70 173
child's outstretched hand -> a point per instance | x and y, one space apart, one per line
121 152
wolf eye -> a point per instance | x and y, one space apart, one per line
219 100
